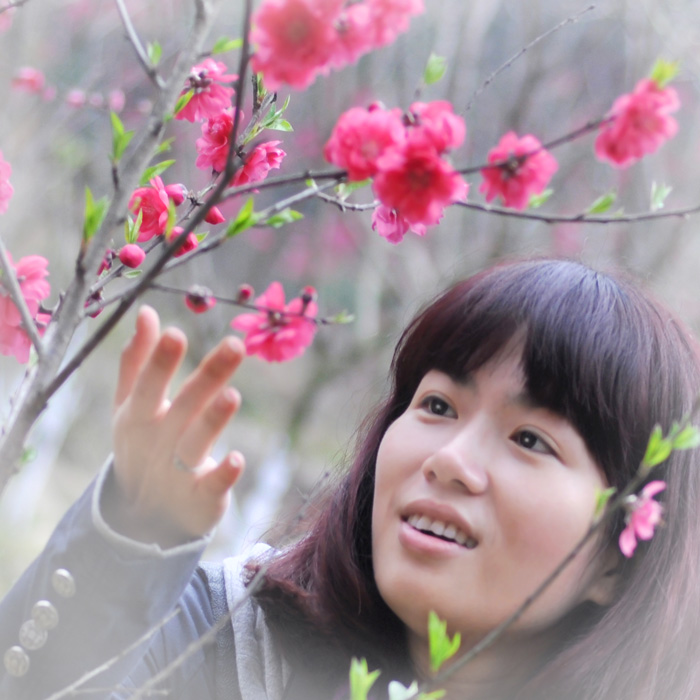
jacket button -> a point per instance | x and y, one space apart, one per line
63 583
16 661
31 636
45 615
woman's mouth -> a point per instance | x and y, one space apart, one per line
440 529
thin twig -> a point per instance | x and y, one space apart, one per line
73 687
12 5
9 281
510 61
580 218
141 54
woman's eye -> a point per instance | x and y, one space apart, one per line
531 441
437 406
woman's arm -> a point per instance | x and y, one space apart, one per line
123 556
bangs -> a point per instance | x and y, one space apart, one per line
590 348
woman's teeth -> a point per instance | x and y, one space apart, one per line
440 529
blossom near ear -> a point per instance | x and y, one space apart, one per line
643 515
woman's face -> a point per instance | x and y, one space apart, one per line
479 494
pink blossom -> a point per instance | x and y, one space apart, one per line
390 225
355 34
6 17
640 124
31 273
132 255
522 175
116 100
361 137
417 182
644 514
29 79
258 163
153 202
391 18
76 98
191 242
199 299
294 41
211 95
213 146
214 216
49 93
6 189
278 332
437 119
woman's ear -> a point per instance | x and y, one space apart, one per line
603 587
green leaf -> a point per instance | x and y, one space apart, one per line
658 195
603 203
435 69
201 236
130 274
286 216
28 455
687 439
280 125
245 219
133 228
345 189
120 137
224 44
537 200
172 219
361 680
154 51
93 215
164 146
183 101
442 647
664 72
602 497
155 170
658 449
342 318
435 695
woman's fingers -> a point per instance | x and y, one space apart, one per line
216 482
151 387
137 352
201 434
204 383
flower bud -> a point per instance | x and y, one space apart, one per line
244 294
199 299
132 255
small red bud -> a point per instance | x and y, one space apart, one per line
199 299
132 255
191 242
92 299
245 292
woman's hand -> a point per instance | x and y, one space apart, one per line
169 489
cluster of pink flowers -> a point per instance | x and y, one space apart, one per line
211 89
640 122
279 331
6 189
406 157
31 273
296 40
523 169
643 515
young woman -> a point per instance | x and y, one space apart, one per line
514 398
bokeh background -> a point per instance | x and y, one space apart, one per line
298 418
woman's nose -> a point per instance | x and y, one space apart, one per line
459 463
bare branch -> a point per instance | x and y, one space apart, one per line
133 37
513 59
12 5
9 281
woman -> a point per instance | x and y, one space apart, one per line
515 397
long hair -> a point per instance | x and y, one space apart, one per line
613 363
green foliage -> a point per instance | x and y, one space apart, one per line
342 318
172 219
224 44
537 200
245 219
361 680
345 189
602 498
658 195
442 647
681 437
273 120
664 72
435 69
286 216
603 203
155 170
120 137
164 146
154 51
183 101
94 214
130 274
132 228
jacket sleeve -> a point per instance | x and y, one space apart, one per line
89 597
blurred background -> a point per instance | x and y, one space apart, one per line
298 418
